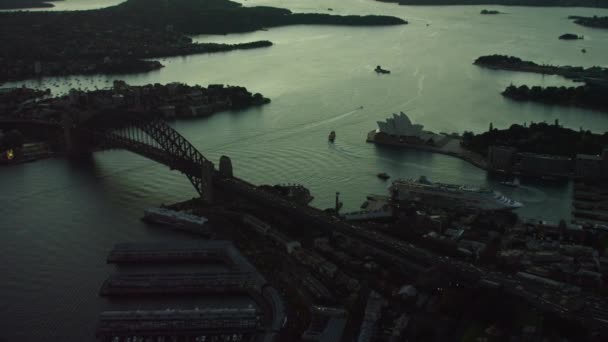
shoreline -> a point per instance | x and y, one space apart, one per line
507 3
466 155
474 159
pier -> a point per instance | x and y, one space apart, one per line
184 325
179 283
205 252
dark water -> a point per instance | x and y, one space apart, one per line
58 220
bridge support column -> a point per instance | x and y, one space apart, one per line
67 122
74 145
207 184
225 167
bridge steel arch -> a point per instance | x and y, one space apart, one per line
154 139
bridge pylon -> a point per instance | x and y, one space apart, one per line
207 172
225 167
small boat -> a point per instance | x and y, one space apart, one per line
330 9
383 176
332 136
513 184
379 70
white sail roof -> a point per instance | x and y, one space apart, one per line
400 124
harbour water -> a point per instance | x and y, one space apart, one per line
59 219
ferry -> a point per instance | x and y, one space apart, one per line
379 70
177 219
332 136
450 195
383 176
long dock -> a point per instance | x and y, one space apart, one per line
178 323
180 283
209 251
212 251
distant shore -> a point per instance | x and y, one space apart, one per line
595 21
503 62
38 44
530 3
590 95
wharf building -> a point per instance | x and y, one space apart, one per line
260 322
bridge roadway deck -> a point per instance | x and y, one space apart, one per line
593 314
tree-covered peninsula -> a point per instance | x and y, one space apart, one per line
595 21
590 95
543 138
512 63
76 42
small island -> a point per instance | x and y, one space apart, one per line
595 21
489 12
570 36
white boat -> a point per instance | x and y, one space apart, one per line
450 196
173 218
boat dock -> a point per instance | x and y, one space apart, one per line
180 283
222 324
211 251
205 252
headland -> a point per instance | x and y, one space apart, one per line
590 95
595 21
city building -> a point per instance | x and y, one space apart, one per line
541 164
592 167
501 157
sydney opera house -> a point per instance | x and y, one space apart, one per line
400 126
